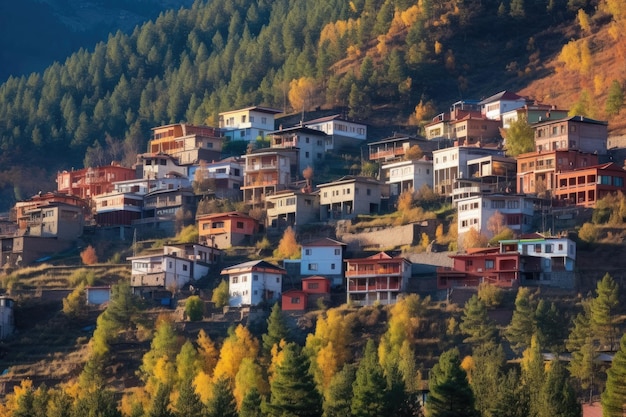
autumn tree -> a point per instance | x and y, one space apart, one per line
519 137
615 99
239 344
75 304
288 247
221 296
88 256
302 94
207 352
474 239
158 363
413 153
194 308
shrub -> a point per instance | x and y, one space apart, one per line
588 233
194 308
189 234
490 294
221 296
263 244
89 256
74 305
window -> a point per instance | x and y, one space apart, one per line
312 267
217 225
369 192
295 300
549 248
468 263
234 280
497 204
278 280
185 267
243 118
332 266
314 285
244 279
239 225
264 120
255 277
307 251
538 248
337 251
489 264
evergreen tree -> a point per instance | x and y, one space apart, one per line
533 376
512 399
550 327
292 389
614 395
160 404
251 404
100 403
276 329
486 377
370 388
338 395
476 324
603 311
522 326
615 98
557 397
450 393
188 403
222 402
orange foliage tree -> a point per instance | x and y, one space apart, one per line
89 256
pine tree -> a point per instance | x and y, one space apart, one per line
222 402
557 397
338 395
486 377
523 325
292 390
533 375
615 98
188 403
603 311
251 404
476 324
159 406
614 395
370 388
276 329
450 393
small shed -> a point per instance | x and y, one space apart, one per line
294 300
98 295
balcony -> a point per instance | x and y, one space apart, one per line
387 153
373 272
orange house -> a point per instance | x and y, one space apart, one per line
313 288
585 186
225 230
90 182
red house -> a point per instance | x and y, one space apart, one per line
480 265
226 229
313 288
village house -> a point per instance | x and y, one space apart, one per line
266 172
89 182
471 130
18 211
536 171
159 165
533 260
171 268
452 163
585 186
309 142
379 278
247 124
441 125
340 133
489 174
59 220
495 106
313 288
292 208
576 133
350 196
166 211
253 282
189 144
225 177
225 230
323 257
533 113
407 175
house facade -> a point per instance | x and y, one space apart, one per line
471 130
248 124
160 165
292 208
59 220
379 278
407 175
449 164
489 174
90 182
576 133
440 127
533 113
309 142
266 172
340 133
224 230
536 171
253 282
225 177
161 208
171 268
350 196
323 257
585 186
493 107
313 288
188 143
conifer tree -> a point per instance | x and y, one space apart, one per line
614 395
450 393
338 394
557 397
533 375
522 326
276 329
251 404
292 390
476 324
370 388
188 403
615 98
486 377
160 404
222 402
603 311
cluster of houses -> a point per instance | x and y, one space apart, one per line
462 156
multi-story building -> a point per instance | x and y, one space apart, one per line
164 211
471 130
188 143
248 124
493 107
379 278
323 257
517 211
253 282
449 164
161 165
585 186
225 177
313 288
440 126
533 113
576 133
58 220
292 208
225 230
309 142
45 199
171 268
407 175
90 182
266 172
340 133
350 196
489 174
535 261
536 171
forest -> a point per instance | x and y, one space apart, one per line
383 62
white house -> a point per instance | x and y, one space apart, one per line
517 212
406 175
323 257
341 132
452 163
310 142
493 107
253 282
171 268
247 124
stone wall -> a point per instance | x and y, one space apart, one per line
381 238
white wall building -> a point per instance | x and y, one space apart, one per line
250 283
323 257
340 132
406 175
248 124
493 107
452 163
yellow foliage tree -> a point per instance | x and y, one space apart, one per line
276 357
288 247
413 153
326 364
474 239
583 21
203 384
207 351
250 375
302 93
237 346
410 15
439 233
438 48
406 200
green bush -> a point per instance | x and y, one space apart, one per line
194 308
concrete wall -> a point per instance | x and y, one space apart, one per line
387 237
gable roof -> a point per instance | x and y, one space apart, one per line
502 95
299 128
230 214
259 265
324 242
